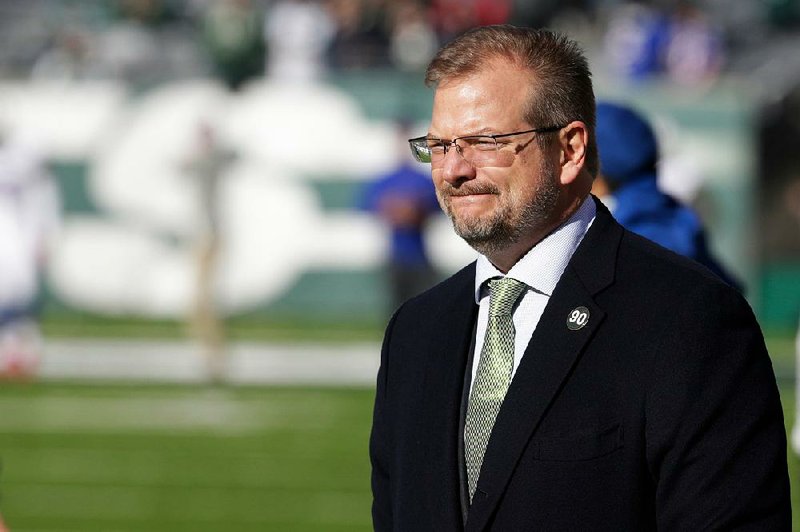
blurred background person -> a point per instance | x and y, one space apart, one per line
792 203
628 184
69 58
453 17
694 52
297 34
636 39
413 40
29 216
361 40
233 36
404 199
657 39
135 46
207 165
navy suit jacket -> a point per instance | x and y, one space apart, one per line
661 412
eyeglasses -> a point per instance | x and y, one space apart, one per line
477 150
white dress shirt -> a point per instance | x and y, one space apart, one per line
540 269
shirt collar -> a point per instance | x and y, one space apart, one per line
542 266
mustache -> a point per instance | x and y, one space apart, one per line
468 189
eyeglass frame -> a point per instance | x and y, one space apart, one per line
448 144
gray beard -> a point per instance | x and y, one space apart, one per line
505 228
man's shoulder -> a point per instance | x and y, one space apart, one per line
611 255
661 275
455 291
639 249
445 306
459 283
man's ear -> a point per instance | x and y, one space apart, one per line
572 139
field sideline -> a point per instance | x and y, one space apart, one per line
180 361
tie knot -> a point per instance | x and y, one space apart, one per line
503 293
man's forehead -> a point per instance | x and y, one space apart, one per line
501 81
478 105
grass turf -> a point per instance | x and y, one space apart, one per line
125 457
184 458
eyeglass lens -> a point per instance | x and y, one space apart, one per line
473 149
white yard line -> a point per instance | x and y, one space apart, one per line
180 361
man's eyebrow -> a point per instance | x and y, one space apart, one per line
483 132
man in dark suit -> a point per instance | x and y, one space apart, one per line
576 376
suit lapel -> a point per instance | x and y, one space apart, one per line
555 348
442 392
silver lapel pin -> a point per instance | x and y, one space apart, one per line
578 318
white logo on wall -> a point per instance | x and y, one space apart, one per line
138 256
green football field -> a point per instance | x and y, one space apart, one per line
153 457
81 457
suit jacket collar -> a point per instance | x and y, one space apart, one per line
551 354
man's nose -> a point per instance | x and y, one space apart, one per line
455 168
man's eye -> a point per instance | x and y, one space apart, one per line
436 148
483 144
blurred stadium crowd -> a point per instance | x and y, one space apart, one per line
151 41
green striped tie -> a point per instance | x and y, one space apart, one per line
493 375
